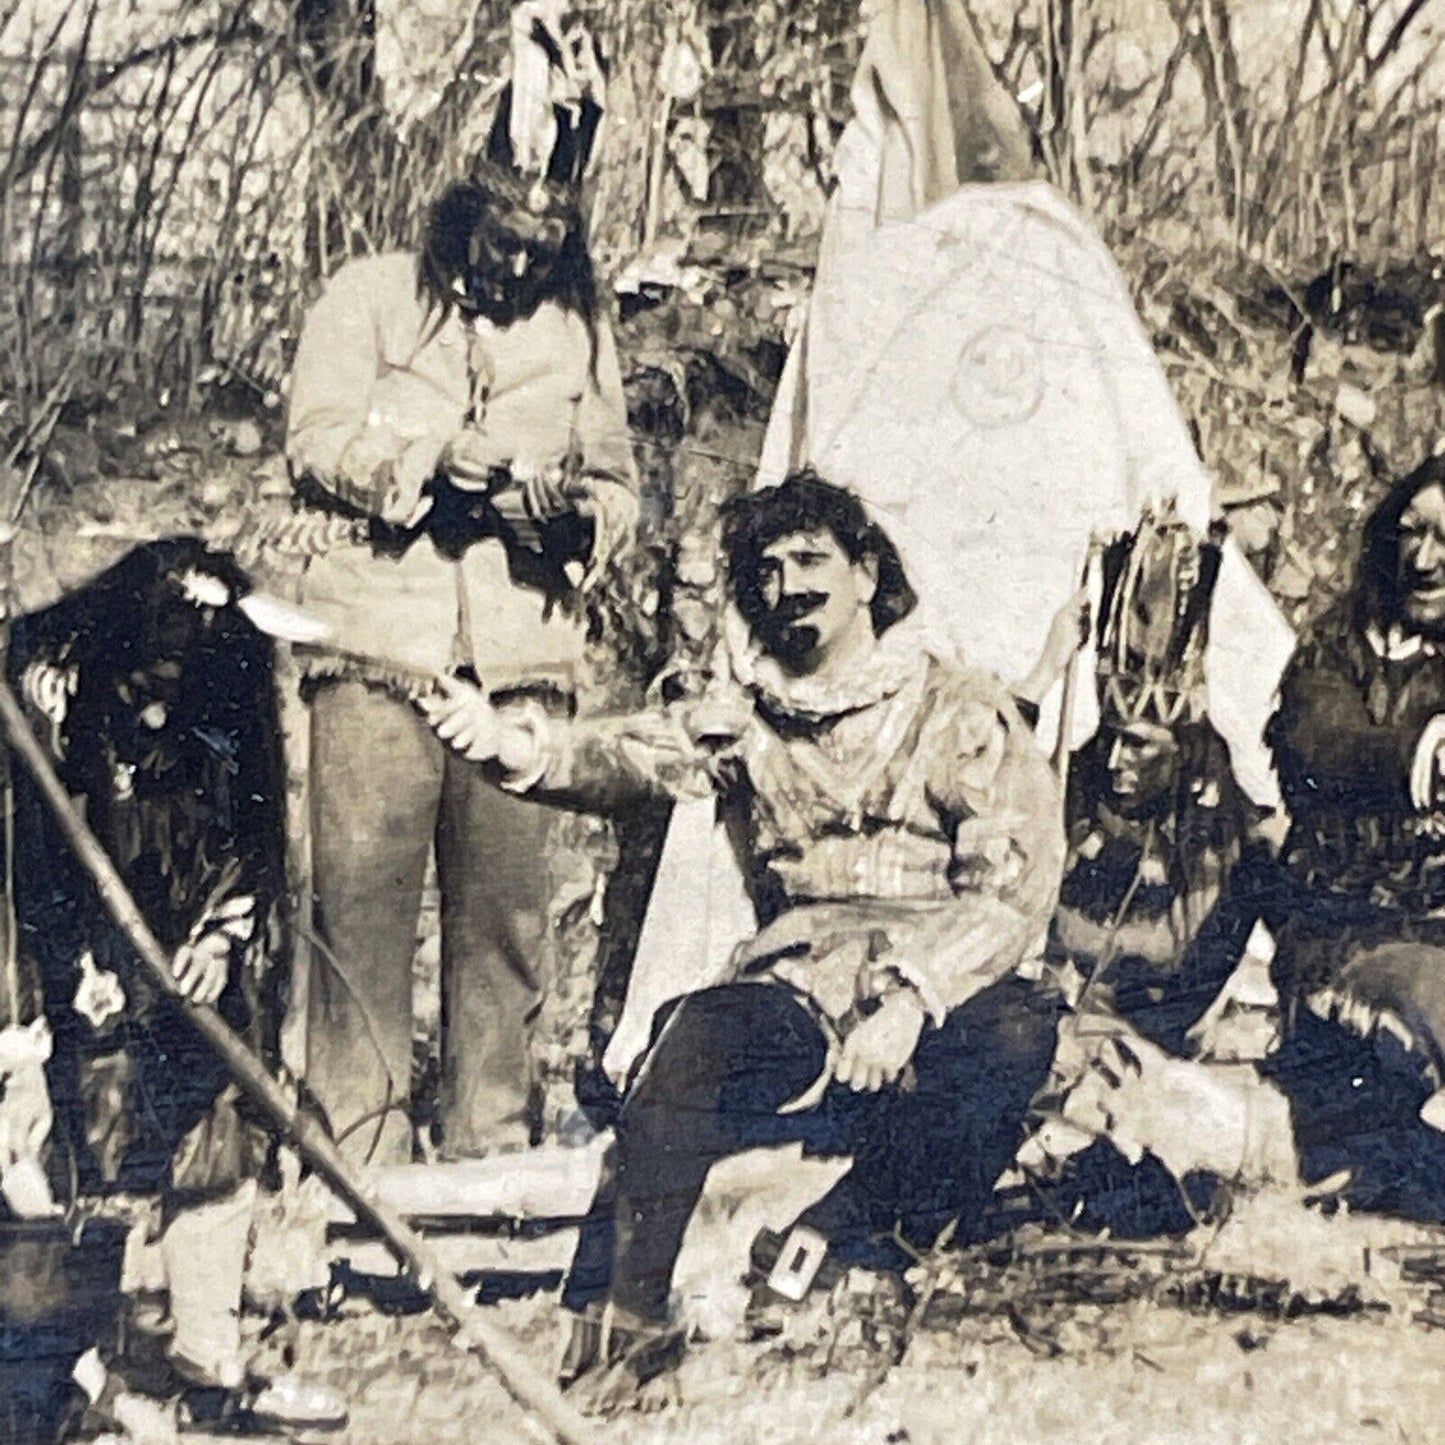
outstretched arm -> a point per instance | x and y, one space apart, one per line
597 763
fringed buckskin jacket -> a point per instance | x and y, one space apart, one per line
899 827
383 379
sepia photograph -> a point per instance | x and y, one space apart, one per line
722 722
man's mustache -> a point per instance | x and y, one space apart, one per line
794 608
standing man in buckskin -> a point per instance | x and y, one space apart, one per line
460 414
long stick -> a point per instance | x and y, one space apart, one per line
523 1381
1071 672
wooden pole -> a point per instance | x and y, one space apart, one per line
531 1389
1062 748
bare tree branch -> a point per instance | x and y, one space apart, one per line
1392 42
101 80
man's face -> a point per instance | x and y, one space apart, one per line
512 267
1422 561
1143 764
815 598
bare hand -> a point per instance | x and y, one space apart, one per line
718 719
878 1050
202 968
462 718
469 459
1069 630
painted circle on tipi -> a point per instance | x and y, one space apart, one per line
998 379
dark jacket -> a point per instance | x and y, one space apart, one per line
1364 863
1159 909
1353 705
171 742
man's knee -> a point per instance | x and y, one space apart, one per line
713 1041
1013 1023
726 1012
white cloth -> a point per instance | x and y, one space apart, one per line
698 913
972 365
978 374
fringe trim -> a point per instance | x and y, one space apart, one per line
555 689
317 671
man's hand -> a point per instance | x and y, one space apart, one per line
463 719
50 688
878 1050
469 460
1068 632
1428 766
202 968
719 718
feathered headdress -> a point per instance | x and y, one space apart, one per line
1158 582
550 113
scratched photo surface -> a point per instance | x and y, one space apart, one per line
722 721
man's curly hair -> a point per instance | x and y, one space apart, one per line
805 502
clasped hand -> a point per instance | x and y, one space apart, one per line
463 718
878 1050
202 965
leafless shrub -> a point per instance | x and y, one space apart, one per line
168 205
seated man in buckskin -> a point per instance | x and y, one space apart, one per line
1159 892
900 833
1165 879
1359 742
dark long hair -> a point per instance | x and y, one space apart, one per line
495 213
1376 598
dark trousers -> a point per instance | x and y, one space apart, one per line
383 791
1355 1100
925 1153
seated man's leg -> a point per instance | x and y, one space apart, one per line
930 1150
711 1086
1356 1087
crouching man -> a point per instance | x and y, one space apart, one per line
901 835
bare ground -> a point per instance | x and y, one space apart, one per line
1224 1336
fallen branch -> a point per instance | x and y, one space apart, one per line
524 1382
547 1183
